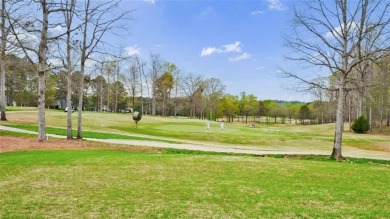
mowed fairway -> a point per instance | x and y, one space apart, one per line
283 137
112 184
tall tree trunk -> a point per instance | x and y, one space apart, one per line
41 73
175 100
336 153
147 88
349 113
69 88
381 113
101 87
82 69
69 106
2 61
116 89
370 120
68 14
141 90
108 90
153 102
80 105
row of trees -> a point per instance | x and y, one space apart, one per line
113 89
54 36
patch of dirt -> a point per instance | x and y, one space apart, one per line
12 143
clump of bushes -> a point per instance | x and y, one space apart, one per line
360 125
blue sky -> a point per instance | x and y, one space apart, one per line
237 41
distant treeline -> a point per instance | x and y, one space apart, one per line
171 94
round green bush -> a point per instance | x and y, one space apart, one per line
360 125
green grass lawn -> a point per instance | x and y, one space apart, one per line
112 184
86 134
15 134
281 136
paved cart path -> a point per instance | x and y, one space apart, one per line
211 147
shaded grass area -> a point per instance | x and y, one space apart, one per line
97 183
86 134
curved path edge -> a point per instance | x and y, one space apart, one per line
202 147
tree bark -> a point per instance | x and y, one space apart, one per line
80 105
82 69
41 73
2 61
336 153
69 88
68 14
101 87
370 120
349 113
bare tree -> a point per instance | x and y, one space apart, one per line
134 80
214 91
338 36
141 65
155 72
319 95
69 12
33 25
131 81
176 83
193 89
117 75
98 21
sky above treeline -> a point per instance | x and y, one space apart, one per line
238 41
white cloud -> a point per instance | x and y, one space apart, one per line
132 50
257 13
337 31
208 51
233 47
275 5
243 56
56 29
150 1
260 68
25 37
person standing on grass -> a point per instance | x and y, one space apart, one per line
222 126
207 125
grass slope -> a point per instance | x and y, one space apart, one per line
86 134
103 184
287 136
